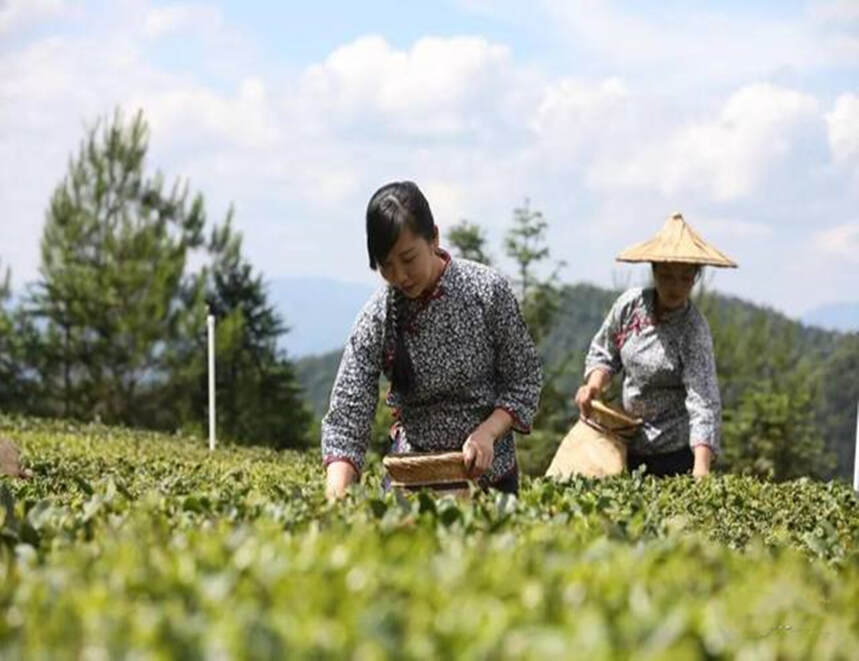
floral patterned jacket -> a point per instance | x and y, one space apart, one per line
471 352
669 372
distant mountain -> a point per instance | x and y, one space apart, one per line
842 317
319 312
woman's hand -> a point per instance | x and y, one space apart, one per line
703 455
478 451
338 476
584 397
597 380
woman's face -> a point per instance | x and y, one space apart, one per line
411 265
674 283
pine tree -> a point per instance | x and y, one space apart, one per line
114 251
540 301
526 245
259 400
469 242
15 387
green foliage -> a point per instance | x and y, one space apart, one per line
18 388
755 345
534 451
316 375
771 434
525 244
469 242
114 248
10 358
258 398
132 544
540 300
836 405
114 330
769 377
380 440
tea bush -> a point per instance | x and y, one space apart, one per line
128 544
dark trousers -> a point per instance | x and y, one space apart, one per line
665 464
509 483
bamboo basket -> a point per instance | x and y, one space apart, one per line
443 472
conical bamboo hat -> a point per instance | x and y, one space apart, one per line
676 242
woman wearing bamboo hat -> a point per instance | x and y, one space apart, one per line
449 336
662 344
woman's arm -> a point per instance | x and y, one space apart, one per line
347 425
339 475
703 456
478 451
603 359
703 402
518 379
518 372
597 381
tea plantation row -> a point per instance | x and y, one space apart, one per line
134 545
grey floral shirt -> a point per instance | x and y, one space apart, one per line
471 352
669 372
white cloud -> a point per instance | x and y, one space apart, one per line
450 201
843 124
437 87
840 241
732 228
196 113
725 157
569 99
574 117
15 14
837 12
299 147
170 19
718 43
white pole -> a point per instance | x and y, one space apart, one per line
856 456
210 324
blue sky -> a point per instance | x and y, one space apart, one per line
608 115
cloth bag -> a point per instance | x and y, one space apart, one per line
595 446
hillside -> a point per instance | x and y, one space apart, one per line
130 544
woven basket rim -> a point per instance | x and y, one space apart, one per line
425 457
425 467
615 414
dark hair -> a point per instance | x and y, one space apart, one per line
392 207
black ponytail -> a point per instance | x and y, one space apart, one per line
402 370
392 207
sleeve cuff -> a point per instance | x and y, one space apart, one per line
518 425
598 366
713 448
330 459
